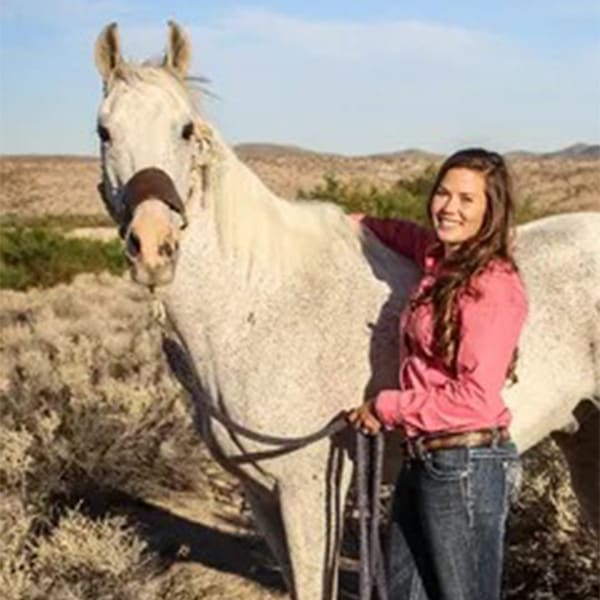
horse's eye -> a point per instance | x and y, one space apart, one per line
187 131
103 133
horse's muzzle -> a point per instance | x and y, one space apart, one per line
152 244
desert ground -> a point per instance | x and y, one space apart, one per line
106 491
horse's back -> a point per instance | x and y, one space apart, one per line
562 238
559 260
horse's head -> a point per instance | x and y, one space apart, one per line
151 142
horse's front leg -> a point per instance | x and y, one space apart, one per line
312 509
267 517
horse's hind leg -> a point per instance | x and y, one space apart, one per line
312 509
582 453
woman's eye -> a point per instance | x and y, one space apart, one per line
103 133
187 131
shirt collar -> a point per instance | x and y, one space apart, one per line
432 257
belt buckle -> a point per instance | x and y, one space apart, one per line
496 437
415 448
421 451
409 449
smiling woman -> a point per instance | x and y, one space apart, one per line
449 400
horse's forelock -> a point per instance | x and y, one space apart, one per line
155 73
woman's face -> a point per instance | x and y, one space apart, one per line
458 206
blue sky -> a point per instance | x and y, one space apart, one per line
353 78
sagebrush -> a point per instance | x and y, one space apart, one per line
44 256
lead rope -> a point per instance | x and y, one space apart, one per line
369 461
368 479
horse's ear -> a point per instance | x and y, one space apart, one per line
179 50
108 51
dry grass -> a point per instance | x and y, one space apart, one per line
87 409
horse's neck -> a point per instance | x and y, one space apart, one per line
226 260
241 207
248 256
269 235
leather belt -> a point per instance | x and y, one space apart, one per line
416 447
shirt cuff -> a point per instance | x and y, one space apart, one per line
387 408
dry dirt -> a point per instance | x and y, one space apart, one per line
35 186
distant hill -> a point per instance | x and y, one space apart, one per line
579 150
258 149
409 153
264 150
576 151
36 185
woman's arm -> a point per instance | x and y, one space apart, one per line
490 328
404 237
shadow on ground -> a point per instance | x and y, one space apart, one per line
178 540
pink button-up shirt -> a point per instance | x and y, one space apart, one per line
429 398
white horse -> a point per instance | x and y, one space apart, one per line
289 316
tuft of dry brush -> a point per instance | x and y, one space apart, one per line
552 552
86 399
84 558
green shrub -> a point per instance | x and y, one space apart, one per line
65 222
406 199
527 210
37 257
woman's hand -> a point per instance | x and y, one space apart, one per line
364 418
355 219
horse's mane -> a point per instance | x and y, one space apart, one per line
254 224
261 228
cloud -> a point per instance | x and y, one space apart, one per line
393 39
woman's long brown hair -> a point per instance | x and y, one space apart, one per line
494 240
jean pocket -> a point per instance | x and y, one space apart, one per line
447 465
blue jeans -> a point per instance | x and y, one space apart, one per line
447 524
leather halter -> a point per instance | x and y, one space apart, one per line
151 183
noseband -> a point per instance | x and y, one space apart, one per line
149 183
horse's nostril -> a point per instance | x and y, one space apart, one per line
166 249
134 246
